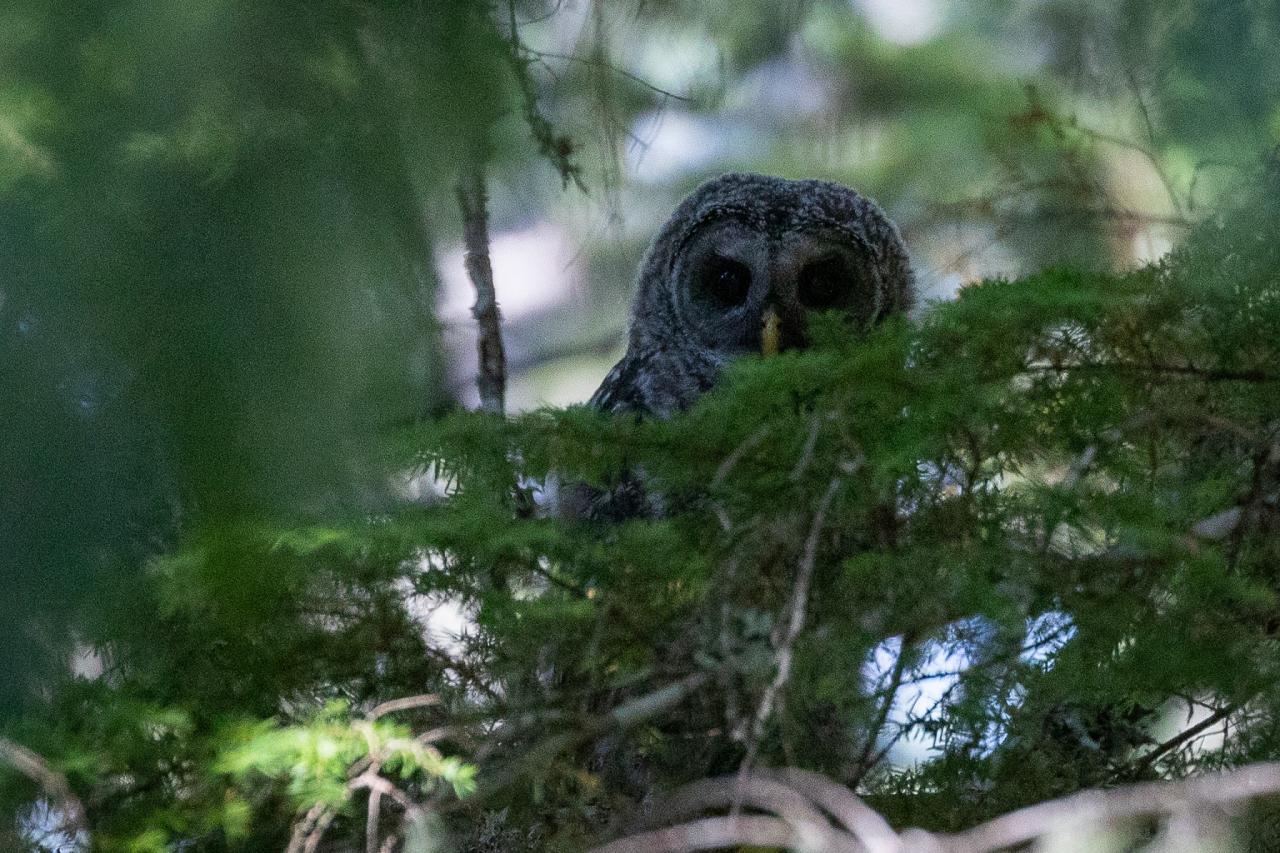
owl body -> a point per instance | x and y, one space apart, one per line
738 268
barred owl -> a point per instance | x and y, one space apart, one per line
738 268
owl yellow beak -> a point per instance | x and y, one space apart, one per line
770 332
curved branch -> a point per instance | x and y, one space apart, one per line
710 833
426 700
864 822
755 791
54 784
1093 806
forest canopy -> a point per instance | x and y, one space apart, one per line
270 581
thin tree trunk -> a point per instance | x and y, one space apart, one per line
492 378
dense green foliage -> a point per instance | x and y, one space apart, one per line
214 249
1028 486
1021 544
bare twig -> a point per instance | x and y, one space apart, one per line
736 455
753 791
372 782
625 716
535 352
1199 168
439 733
1219 525
403 704
1136 801
726 468
473 202
54 784
378 787
317 833
1179 739
795 623
791 799
870 757
597 62
1146 151
373 813
735 724
1207 373
806 455
309 830
712 833
864 822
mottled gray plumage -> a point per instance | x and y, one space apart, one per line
739 246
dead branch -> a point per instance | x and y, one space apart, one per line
1135 801
74 818
870 757
372 816
1181 738
403 704
795 623
794 796
627 715
1208 374
597 62
864 822
710 833
309 829
731 461
806 454
473 202
753 791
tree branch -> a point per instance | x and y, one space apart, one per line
405 703
1207 373
795 624
710 833
864 822
791 795
870 757
599 63
625 716
54 784
1182 737
473 202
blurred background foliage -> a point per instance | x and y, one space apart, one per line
232 267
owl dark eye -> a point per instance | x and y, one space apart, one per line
825 283
725 282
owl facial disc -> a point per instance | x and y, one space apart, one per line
740 268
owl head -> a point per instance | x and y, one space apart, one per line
740 267
746 259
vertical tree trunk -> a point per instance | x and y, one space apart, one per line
492 378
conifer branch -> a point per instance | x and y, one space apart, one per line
597 62
1208 374
1179 739
621 718
870 756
